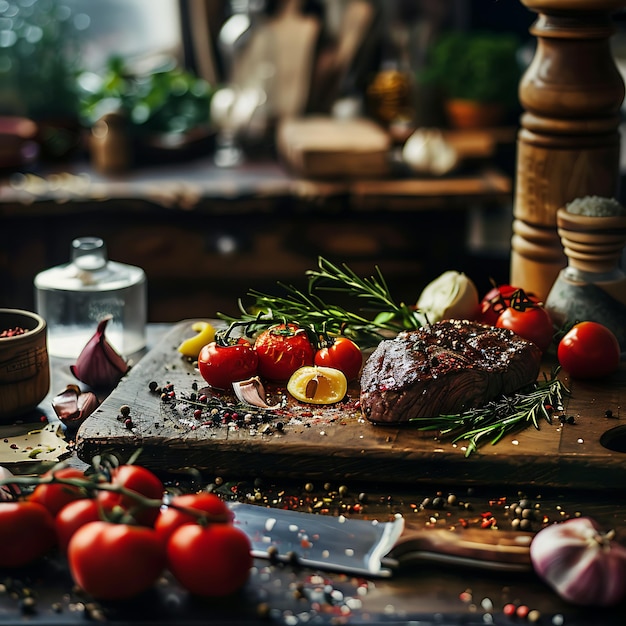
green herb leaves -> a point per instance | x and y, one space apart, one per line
498 418
377 311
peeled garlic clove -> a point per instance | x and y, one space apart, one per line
99 364
450 296
8 492
427 151
252 392
74 406
65 404
87 404
581 563
205 334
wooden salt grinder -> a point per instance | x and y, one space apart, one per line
568 145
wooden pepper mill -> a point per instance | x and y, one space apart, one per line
568 145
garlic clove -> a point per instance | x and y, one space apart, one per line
73 406
8 492
252 392
65 404
99 365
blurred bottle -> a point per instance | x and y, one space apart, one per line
74 297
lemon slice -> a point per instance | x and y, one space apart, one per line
318 385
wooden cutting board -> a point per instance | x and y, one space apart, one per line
333 443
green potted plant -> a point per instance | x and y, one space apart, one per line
478 74
165 109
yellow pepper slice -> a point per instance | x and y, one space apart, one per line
205 334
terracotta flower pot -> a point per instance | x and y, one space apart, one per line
469 114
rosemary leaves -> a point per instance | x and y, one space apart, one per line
509 414
377 311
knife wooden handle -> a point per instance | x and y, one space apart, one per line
472 547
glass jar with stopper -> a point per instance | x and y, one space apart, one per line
74 297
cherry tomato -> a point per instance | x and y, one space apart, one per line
282 349
171 518
115 561
54 496
211 560
73 516
26 532
222 365
141 480
342 354
494 302
589 350
497 300
529 320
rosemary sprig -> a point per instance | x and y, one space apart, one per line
498 418
311 311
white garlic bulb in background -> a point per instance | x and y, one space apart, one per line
427 151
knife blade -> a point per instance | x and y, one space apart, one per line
371 547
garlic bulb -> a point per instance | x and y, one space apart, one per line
428 152
450 296
582 564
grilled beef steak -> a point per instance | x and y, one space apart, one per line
444 368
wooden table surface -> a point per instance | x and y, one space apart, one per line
426 594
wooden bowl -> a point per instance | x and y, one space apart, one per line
24 364
592 244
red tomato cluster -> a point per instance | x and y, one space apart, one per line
112 557
587 350
275 355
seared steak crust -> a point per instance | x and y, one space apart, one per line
444 368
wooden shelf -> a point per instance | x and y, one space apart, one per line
174 221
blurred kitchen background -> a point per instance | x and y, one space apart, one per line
223 145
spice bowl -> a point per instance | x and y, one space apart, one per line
592 243
24 362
